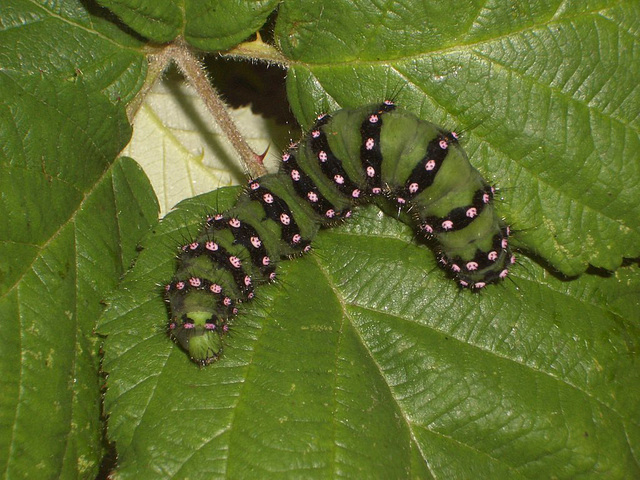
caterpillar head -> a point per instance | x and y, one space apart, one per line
199 334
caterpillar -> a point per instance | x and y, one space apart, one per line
347 158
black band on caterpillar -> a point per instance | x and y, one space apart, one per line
247 236
347 158
370 150
330 166
220 258
305 188
425 171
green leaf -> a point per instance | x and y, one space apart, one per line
66 41
205 24
221 24
70 219
158 21
544 92
365 361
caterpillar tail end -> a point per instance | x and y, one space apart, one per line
485 266
199 337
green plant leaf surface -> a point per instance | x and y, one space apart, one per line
205 24
545 94
158 21
364 361
68 41
221 24
71 219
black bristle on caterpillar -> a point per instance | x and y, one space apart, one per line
347 158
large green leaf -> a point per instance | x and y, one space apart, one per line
365 361
71 219
206 24
65 40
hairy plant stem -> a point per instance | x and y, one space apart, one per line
257 50
158 61
196 75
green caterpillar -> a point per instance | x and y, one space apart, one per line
346 159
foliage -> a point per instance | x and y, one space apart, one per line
364 360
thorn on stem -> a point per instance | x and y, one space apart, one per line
260 157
